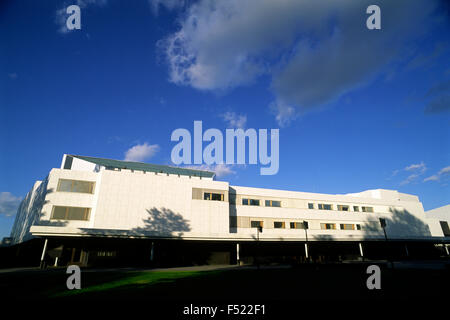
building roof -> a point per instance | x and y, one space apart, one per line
140 166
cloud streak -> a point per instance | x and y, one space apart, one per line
443 173
415 171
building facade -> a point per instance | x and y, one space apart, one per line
90 207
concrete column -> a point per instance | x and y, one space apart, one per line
237 253
44 250
56 262
406 249
306 251
446 249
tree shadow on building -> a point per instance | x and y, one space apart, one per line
162 222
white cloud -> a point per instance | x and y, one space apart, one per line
9 204
234 120
416 170
421 167
284 114
221 170
141 152
222 44
443 173
410 179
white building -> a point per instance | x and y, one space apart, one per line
88 199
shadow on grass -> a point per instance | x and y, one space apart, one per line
131 282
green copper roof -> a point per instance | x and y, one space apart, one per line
110 163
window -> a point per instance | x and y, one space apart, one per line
106 253
273 203
278 225
343 208
296 225
367 209
323 206
251 202
213 196
347 226
310 205
358 227
256 224
328 226
445 228
75 186
356 208
71 213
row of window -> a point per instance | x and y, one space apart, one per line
320 206
300 225
213 196
256 202
340 207
144 172
79 186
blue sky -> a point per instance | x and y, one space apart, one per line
356 108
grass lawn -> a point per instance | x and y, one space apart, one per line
323 282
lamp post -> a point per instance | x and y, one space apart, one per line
383 225
258 230
305 226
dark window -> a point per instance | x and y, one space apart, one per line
367 209
325 206
251 202
345 226
296 225
68 163
272 203
278 225
310 205
328 226
256 224
358 227
213 196
445 228
355 208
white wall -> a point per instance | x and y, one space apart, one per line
149 204
128 201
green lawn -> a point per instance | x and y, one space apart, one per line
324 282
132 281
